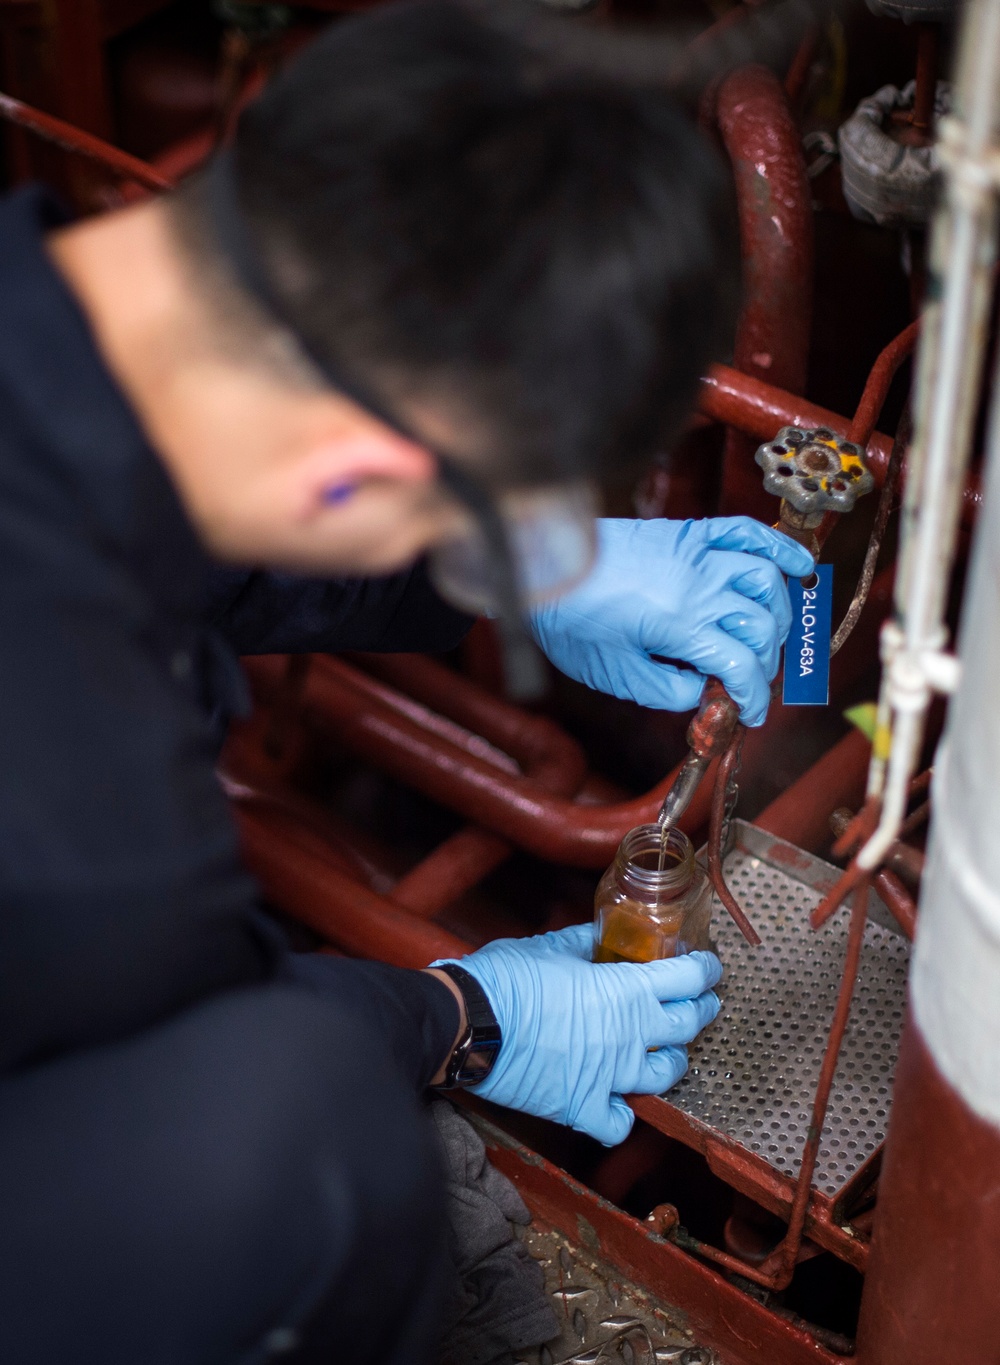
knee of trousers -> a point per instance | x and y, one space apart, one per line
208 1179
319 1104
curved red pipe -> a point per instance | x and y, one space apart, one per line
552 759
364 718
454 867
431 753
296 870
883 372
541 748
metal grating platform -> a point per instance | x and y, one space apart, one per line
753 1072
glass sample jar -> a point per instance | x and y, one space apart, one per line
654 900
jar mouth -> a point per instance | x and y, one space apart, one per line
641 852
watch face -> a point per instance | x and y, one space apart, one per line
479 1061
475 1053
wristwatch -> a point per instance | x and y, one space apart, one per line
477 1049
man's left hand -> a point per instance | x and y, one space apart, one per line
710 594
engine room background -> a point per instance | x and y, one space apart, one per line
404 808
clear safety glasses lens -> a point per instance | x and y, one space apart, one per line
552 536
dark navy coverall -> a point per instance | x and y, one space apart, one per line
211 1149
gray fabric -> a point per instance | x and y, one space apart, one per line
500 1305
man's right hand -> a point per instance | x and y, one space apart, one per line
577 1036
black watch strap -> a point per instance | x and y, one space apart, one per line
477 1049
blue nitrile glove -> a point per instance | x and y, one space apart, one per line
710 593
576 1033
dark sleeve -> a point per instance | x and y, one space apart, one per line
123 899
414 1015
271 613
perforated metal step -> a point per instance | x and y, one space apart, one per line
753 1073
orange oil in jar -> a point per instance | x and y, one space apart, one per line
654 901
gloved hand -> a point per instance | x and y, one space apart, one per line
576 1033
710 593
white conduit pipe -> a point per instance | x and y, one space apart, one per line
949 370
955 981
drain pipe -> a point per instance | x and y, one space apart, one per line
930 1294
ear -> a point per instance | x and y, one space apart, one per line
339 462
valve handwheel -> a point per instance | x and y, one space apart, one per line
814 470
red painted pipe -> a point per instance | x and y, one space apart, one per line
298 874
908 863
73 139
480 782
348 704
883 372
801 814
776 226
553 760
540 746
548 755
894 894
760 409
801 65
454 867
776 236
930 1293
249 774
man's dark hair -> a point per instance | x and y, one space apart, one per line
544 255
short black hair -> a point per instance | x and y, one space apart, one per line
466 225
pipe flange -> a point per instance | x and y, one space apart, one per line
885 179
814 469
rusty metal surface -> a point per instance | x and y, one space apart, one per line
604 1320
753 1073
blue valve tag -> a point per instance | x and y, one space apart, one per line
807 649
